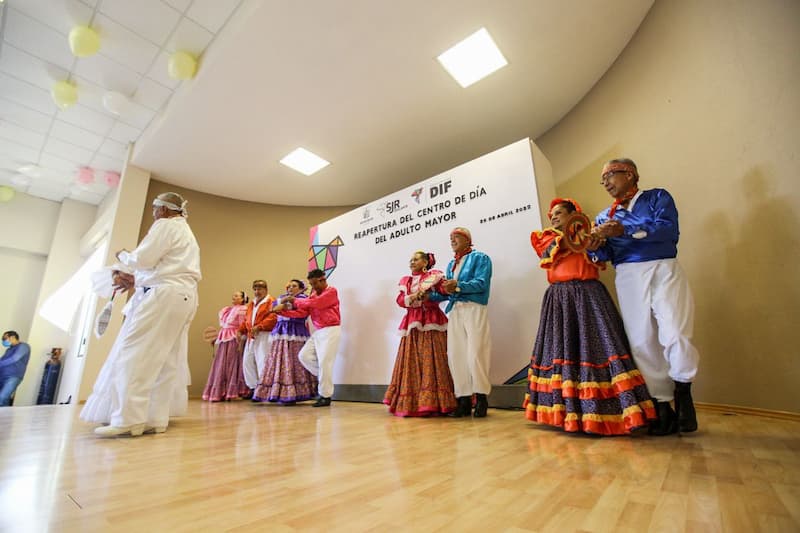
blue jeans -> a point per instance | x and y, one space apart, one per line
7 388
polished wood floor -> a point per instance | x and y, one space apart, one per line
352 467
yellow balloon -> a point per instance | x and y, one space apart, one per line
64 93
6 193
83 41
182 66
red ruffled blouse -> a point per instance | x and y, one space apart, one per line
425 315
562 264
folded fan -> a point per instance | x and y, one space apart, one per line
104 317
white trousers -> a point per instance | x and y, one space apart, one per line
469 348
318 355
254 358
658 311
150 356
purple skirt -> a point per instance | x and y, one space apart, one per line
285 380
582 376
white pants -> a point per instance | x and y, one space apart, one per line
469 348
254 358
658 311
318 355
151 354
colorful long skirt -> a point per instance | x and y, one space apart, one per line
285 380
582 376
421 382
226 379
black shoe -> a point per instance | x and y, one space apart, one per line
687 417
667 422
322 401
463 408
481 405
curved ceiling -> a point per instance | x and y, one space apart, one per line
358 83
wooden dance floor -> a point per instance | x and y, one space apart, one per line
352 467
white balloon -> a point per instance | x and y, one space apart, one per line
115 102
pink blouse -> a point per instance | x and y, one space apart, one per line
230 318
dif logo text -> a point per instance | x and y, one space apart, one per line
439 189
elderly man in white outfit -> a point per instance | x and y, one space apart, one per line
146 367
641 233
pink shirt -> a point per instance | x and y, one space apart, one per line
230 318
323 308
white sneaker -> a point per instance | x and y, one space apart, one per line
115 431
155 429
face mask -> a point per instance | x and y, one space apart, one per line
6 343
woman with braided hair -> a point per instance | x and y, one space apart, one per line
421 382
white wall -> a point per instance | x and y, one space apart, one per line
64 258
27 225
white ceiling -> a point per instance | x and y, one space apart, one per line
136 38
355 81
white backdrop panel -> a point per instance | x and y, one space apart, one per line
495 196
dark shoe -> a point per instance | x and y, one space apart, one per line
322 401
687 417
667 422
463 408
481 405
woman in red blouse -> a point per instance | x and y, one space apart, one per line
421 382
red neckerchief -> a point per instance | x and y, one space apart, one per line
627 198
459 255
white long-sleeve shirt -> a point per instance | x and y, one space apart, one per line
168 255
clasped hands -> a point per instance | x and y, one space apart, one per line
612 228
285 305
449 286
122 281
420 296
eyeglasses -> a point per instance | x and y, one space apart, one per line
256 287
610 174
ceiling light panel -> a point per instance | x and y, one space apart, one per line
473 59
304 161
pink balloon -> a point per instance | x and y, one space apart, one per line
111 178
85 176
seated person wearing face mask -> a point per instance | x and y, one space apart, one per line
12 365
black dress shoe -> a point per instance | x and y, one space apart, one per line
322 401
667 422
687 417
463 407
481 405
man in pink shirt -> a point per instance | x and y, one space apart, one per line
319 352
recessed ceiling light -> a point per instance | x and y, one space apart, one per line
473 59
33 171
304 161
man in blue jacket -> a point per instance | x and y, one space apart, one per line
12 365
469 277
641 240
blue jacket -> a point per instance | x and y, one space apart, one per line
651 230
15 361
474 280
